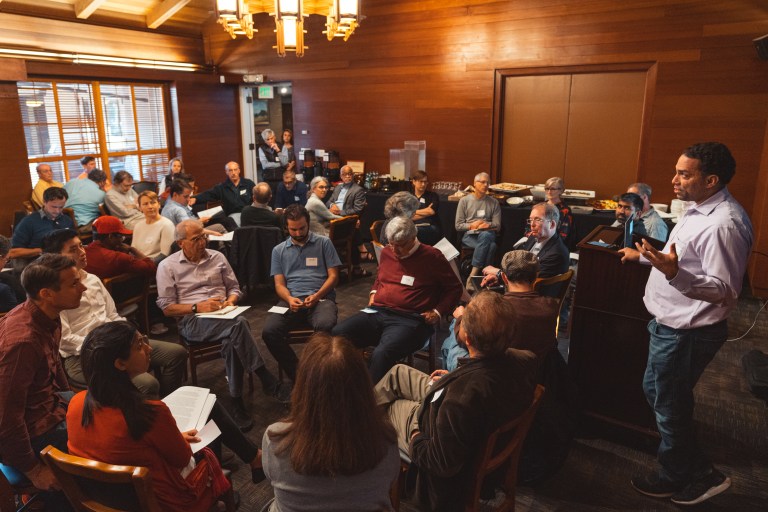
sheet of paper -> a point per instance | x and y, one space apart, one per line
377 248
229 316
207 435
280 310
205 412
447 248
210 212
369 310
226 237
187 404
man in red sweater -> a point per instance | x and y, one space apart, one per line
415 286
109 256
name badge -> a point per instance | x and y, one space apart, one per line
311 262
407 280
296 198
437 395
422 201
242 192
481 213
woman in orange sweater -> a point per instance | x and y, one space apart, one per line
113 423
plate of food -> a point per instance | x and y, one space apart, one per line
515 201
572 193
509 188
603 204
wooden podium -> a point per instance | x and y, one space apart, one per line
609 338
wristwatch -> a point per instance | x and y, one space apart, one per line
194 308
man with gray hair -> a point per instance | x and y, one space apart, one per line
269 157
479 218
654 224
198 280
415 286
400 204
234 192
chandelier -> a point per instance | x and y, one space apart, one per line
342 18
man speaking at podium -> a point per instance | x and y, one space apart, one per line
693 286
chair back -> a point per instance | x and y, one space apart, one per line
504 446
342 233
130 292
141 186
29 207
376 231
564 278
96 486
103 210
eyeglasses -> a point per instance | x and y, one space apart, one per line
198 238
549 189
535 220
141 340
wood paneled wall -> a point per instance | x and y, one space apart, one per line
425 70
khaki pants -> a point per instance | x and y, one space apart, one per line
402 390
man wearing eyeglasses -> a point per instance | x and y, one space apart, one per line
198 280
545 243
110 256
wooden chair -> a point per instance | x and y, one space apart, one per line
376 231
29 207
565 279
342 234
295 337
130 292
202 353
141 186
503 446
84 237
429 354
95 486
13 484
103 210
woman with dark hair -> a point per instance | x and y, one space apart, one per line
336 450
287 154
112 422
175 167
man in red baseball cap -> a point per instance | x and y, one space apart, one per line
108 255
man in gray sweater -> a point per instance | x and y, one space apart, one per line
479 217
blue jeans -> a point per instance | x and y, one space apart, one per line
452 350
484 244
676 360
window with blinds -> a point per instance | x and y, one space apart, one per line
122 125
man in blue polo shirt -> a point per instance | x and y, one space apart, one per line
28 234
306 273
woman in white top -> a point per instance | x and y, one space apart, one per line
121 200
319 215
154 234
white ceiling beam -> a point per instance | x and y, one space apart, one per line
84 8
163 11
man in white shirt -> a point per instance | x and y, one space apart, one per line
693 286
96 308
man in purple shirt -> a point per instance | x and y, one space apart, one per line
693 286
33 387
198 280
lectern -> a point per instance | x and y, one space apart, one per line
609 339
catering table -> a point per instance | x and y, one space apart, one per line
513 221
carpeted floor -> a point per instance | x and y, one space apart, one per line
732 424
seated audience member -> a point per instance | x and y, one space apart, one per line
88 163
113 422
545 243
414 287
269 157
198 280
535 318
85 196
110 256
444 420
290 191
305 271
348 198
177 208
97 308
121 200
327 457
44 182
553 189
10 292
652 222
28 234
319 214
153 236
260 213
426 217
33 387
479 218
629 207
175 168
234 192
287 153
399 204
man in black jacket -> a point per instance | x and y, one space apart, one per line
443 420
260 213
234 192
